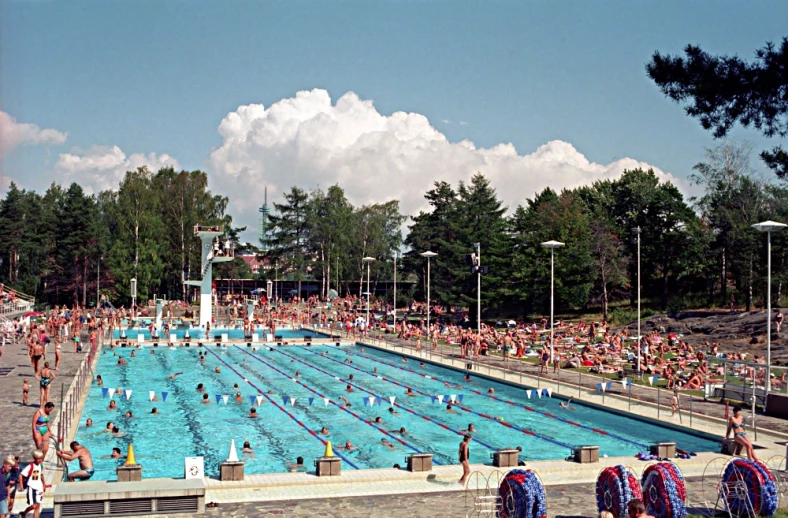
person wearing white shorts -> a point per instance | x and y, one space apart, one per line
33 477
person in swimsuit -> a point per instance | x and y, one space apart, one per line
57 354
41 432
736 425
464 454
85 461
36 353
47 376
25 391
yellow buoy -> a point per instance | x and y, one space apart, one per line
329 451
130 461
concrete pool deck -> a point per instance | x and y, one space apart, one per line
443 479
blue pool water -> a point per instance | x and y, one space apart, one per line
197 333
187 427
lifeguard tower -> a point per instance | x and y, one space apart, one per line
213 251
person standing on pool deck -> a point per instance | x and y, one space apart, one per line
45 380
85 461
32 477
5 482
464 454
41 432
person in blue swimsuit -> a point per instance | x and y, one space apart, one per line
41 431
736 425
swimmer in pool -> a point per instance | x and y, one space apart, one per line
348 446
566 405
389 445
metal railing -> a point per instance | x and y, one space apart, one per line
208 228
71 400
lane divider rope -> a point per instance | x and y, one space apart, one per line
514 403
406 409
462 407
291 416
360 418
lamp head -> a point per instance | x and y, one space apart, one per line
553 244
428 254
368 259
769 226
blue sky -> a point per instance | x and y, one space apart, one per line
159 76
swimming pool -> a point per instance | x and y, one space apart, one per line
199 334
291 416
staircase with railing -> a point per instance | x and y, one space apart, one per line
12 302
208 261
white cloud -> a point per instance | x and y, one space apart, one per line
308 142
463 123
103 167
14 134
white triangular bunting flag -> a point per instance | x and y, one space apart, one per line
602 386
325 401
128 394
151 395
111 392
292 401
391 399
225 398
539 393
371 399
440 399
259 400
624 383
528 393
549 392
453 397
650 380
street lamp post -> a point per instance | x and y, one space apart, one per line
479 289
768 227
637 231
428 254
395 290
552 245
368 260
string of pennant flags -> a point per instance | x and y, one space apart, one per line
258 400
626 383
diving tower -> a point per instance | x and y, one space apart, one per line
213 251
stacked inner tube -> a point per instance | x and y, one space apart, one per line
522 495
754 477
615 487
664 493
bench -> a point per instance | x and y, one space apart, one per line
173 497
